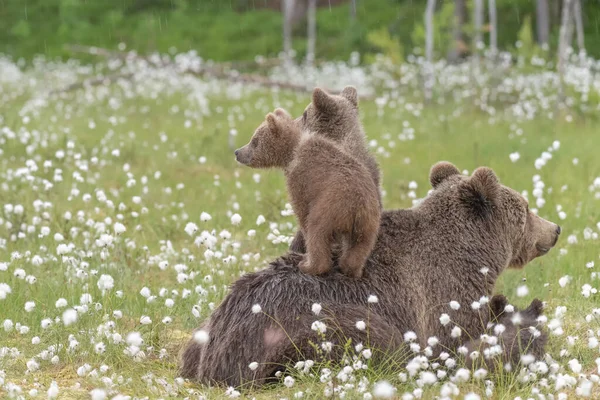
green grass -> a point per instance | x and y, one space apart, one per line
468 139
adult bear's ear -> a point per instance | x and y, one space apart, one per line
536 308
350 94
481 191
323 101
497 305
441 171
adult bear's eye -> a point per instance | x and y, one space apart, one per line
254 142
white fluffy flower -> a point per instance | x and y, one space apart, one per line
316 308
106 282
522 291
444 319
256 308
191 228
201 336
384 390
119 228
69 316
236 219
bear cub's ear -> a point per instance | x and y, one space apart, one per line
323 101
497 305
481 191
440 172
536 308
350 94
280 112
273 124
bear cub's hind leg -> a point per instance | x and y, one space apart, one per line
317 259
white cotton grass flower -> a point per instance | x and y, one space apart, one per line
319 326
134 339
361 325
205 217
444 319
563 281
454 305
236 219
191 228
253 366
289 381
69 317
201 336
119 228
373 299
106 282
61 303
384 390
514 157
29 306
522 291
53 390
316 308
98 394
260 220
256 308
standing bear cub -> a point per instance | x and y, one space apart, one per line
336 117
331 192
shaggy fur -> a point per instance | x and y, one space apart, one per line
522 334
424 258
331 192
336 117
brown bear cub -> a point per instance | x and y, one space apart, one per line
336 117
331 192
512 333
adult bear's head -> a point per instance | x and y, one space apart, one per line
480 203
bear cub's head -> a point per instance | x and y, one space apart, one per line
273 142
501 312
484 206
333 115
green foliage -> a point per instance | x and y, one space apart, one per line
389 46
239 30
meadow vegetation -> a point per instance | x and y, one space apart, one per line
125 216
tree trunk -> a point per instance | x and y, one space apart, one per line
493 27
287 9
428 70
460 17
563 45
579 25
312 31
542 22
478 20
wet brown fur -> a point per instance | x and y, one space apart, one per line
424 258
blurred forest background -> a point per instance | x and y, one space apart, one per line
224 30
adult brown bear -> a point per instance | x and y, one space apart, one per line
451 247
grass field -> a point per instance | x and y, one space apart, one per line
98 185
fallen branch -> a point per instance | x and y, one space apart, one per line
103 80
217 71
